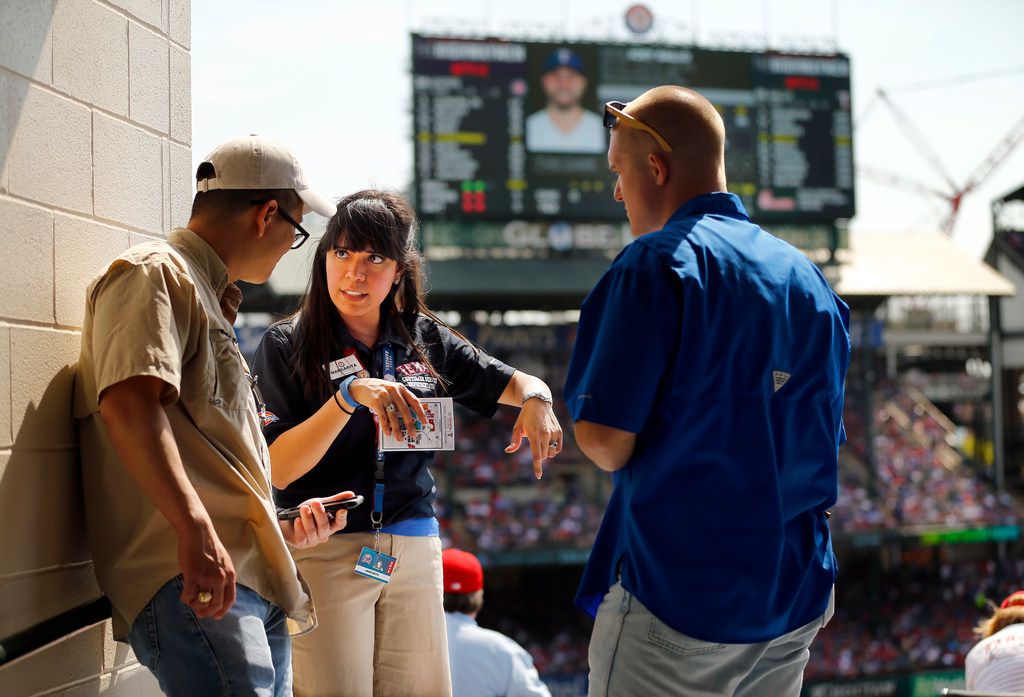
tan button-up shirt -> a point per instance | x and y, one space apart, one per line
157 311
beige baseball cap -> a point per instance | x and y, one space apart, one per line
255 162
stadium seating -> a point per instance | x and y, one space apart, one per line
901 620
907 619
919 480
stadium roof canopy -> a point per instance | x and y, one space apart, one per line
900 264
874 266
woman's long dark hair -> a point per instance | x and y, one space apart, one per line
382 221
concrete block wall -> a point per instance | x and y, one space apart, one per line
95 155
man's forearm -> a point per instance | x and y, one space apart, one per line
608 448
141 434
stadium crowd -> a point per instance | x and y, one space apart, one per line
561 654
913 618
914 484
917 617
479 459
498 523
910 618
495 503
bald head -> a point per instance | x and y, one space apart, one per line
694 129
653 182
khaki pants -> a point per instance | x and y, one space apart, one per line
632 652
373 639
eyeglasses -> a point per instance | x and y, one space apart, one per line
613 114
300 234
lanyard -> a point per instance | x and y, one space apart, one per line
377 515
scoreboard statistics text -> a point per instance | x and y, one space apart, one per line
489 144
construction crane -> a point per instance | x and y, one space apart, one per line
953 195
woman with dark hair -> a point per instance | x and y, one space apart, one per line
357 356
996 663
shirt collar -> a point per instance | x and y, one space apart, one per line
720 202
212 266
387 333
390 333
202 254
458 619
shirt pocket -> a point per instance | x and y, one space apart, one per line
229 388
664 636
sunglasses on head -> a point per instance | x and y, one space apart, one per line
613 114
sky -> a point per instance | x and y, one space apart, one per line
331 80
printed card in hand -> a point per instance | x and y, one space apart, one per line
438 433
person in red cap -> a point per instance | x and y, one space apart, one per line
483 662
996 663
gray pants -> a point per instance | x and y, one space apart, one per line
632 652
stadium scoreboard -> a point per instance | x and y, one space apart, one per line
789 152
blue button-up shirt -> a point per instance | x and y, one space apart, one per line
724 349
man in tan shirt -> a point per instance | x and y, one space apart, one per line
183 531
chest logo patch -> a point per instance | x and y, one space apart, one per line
779 378
412 368
415 375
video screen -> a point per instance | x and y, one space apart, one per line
514 130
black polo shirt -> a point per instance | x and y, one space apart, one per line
475 380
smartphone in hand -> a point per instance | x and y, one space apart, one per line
330 506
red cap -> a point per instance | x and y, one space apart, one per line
462 572
1015 598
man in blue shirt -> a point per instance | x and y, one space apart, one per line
707 374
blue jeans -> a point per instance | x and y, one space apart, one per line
247 652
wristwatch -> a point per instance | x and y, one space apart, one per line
542 396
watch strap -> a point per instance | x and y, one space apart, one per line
536 394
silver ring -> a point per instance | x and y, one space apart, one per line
390 408
553 444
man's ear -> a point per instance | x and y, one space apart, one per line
263 216
659 167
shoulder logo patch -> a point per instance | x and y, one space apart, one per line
779 378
